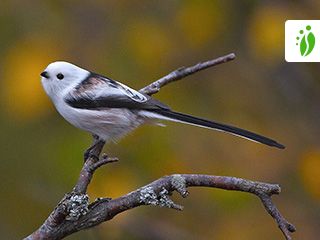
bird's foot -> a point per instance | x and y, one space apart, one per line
93 151
89 154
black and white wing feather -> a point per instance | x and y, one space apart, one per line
97 92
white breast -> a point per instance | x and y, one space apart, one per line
108 124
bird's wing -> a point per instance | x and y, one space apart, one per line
98 92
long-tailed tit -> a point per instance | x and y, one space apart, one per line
109 109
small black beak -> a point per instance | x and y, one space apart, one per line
44 74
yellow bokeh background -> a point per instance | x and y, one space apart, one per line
23 96
310 172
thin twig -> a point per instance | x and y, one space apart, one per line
286 227
183 72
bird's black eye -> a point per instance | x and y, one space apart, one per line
60 76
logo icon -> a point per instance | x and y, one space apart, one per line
306 41
302 40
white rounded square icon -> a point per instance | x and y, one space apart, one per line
302 40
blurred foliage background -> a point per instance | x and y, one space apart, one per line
137 42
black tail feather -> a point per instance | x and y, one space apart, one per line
218 126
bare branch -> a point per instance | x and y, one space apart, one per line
158 193
283 224
183 72
74 212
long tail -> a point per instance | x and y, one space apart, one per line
184 118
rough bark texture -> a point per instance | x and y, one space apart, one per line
74 212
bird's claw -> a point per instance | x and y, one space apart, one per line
89 154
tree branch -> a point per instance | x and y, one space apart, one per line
184 72
74 212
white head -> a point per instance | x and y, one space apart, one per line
59 77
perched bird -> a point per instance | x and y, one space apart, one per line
110 109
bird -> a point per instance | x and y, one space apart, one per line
109 109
